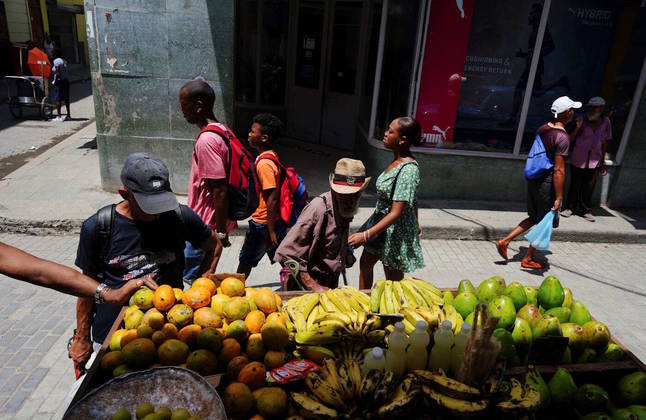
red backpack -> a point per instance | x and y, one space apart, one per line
242 181
293 195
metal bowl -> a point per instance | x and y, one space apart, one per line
172 387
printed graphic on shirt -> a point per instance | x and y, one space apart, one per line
129 267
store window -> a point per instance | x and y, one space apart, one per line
274 51
369 77
591 48
246 47
398 62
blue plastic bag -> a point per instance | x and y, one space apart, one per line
539 236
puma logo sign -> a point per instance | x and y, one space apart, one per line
442 132
438 136
460 5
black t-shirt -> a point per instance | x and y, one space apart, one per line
137 249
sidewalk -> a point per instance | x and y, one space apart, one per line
57 190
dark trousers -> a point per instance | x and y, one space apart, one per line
579 197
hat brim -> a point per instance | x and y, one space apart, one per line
577 105
346 189
156 203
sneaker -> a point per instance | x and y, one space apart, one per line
68 118
566 213
57 119
589 217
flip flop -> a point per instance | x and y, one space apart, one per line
531 264
502 249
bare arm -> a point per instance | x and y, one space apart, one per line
559 176
604 150
309 283
212 248
218 188
26 267
396 211
271 198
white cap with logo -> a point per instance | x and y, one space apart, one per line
562 104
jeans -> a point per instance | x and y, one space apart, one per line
192 260
254 247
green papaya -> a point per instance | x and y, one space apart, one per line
579 314
563 314
562 388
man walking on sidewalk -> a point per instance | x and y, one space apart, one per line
545 194
590 140
61 86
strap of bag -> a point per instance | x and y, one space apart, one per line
103 235
227 140
345 280
392 190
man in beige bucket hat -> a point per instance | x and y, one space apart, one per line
315 251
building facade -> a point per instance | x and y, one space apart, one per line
479 75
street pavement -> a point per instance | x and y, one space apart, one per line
36 373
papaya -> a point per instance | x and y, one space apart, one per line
550 293
238 330
276 316
238 400
172 352
188 334
265 300
206 283
253 375
127 337
279 301
144 331
143 298
255 347
153 318
133 320
207 318
254 321
158 337
180 315
230 349
272 403
121 370
274 335
139 353
274 359
236 308
169 330
179 294
115 340
235 366
111 360
164 298
197 297
209 339
217 303
202 361
232 287
252 303
129 310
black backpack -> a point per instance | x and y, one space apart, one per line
103 233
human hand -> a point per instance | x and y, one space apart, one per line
121 295
557 205
356 240
604 170
81 350
419 231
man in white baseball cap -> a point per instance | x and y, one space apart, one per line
587 159
545 194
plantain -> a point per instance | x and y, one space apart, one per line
382 302
426 286
412 316
347 387
398 293
401 398
522 399
448 386
408 327
352 299
354 372
375 295
315 353
414 298
318 337
324 391
385 387
359 296
389 298
307 303
311 408
326 304
332 323
376 336
431 315
288 321
340 304
452 315
369 383
297 318
339 316
312 318
455 406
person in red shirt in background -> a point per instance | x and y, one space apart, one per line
266 229
207 190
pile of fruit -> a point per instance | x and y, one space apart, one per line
527 314
202 328
146 411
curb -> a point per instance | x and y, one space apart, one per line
480 233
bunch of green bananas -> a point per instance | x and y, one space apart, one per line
451 395
319 319
388 297
339 388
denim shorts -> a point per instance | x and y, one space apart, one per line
254 247
192 260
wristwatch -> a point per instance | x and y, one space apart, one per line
97 293
221 236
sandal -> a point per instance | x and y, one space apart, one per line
531 264
502 249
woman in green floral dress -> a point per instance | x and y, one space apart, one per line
400 251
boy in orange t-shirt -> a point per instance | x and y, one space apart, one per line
266 229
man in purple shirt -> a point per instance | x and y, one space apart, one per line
590 140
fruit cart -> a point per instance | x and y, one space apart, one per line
362 330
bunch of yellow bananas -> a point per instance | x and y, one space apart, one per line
339 388
324 318
433 316
388 297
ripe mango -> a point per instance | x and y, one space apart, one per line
143 298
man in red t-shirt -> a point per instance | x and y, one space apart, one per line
545 194
207 190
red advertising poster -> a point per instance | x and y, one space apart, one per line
444 56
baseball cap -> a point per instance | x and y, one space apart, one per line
562 104
596 101
147 177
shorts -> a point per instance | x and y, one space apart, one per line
254 247
62 91
540 199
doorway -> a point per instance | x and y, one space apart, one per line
325 65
